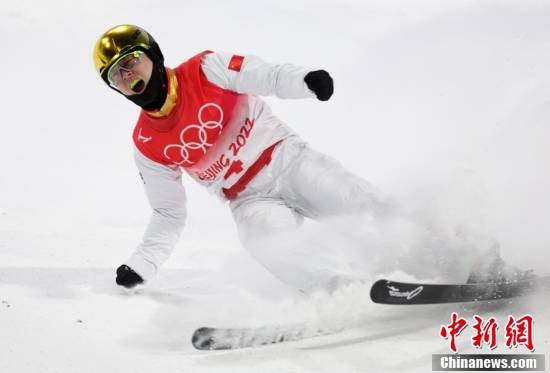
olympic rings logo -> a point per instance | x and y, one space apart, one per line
194 138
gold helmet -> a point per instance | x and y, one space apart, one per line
120 40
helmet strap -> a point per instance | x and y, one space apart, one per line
154 95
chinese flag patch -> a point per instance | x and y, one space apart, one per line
236 63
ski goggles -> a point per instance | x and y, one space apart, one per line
126 63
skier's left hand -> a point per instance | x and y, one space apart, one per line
320 82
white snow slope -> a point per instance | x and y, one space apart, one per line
444 105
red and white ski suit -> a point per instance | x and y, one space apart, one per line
227 139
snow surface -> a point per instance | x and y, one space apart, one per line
443 105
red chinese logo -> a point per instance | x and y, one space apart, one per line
518 332
485 333
452 330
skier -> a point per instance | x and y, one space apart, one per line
204 117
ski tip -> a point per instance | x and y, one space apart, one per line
376 288
203 339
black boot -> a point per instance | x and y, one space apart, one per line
491 268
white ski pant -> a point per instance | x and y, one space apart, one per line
301 182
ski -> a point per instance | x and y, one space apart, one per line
382 291
234 338
392 292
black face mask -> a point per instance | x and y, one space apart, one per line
154 95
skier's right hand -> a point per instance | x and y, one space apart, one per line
127 277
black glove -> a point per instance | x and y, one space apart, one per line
125 276
320 82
